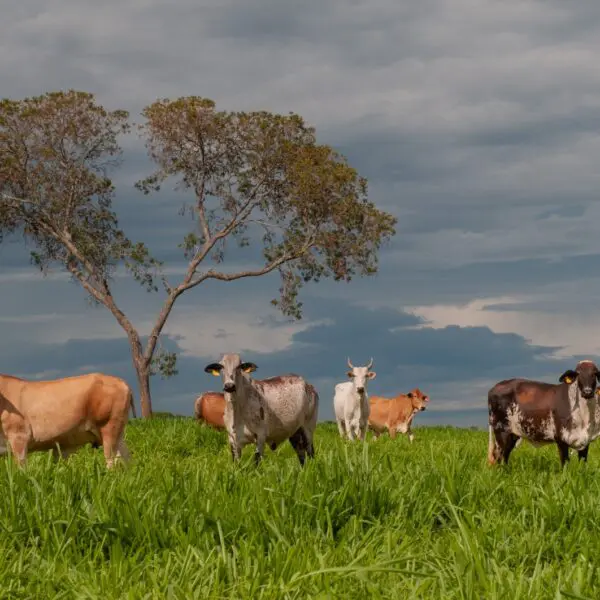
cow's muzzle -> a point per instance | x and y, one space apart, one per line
360 390
229 387
587 392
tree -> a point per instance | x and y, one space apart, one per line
256 178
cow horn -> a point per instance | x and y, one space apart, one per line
350 364
370 363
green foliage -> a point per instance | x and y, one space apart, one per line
56 152
262 178
388 519
165 363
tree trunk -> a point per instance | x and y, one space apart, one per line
142 372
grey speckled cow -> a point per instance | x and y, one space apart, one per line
266 411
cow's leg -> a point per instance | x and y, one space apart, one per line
350 429
563 453
392 432
17 434
260 447
123 453
410 435
501 444
509 446
341 428
583 454
111 435
236 450
308 436
494 452
299 443
237 441
362 431
18 446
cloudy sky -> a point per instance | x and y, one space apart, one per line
476 123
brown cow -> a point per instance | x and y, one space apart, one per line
209 407
396 414
567 413
70 412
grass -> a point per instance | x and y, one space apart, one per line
385 519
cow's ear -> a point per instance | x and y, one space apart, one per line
568 376
371 374
248 367
213 369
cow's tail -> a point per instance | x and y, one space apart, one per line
131 403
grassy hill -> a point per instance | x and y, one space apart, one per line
381 520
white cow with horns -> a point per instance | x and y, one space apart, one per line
351 402
266 411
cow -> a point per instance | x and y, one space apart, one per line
566 414
267 411
351 402
396 414
209 408
64 414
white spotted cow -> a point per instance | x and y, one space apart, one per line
267 411
567 414
351 402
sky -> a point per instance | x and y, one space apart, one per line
476 124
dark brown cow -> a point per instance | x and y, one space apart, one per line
209 407
567 414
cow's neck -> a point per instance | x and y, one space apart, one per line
585 415
241 399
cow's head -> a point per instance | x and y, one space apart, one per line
419 399
231 369
360 376
586 375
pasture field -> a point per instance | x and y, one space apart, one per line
382 520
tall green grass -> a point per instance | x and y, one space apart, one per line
387 519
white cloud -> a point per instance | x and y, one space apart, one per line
571 330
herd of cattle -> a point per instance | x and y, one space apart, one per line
64 414
283 408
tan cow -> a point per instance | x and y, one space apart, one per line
209 407
396 414
70 412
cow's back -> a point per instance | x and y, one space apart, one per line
390 411
379 410
289 404
210 407
531 396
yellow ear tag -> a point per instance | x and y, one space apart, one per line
215 372
568 380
